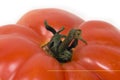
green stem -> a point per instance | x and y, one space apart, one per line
71 36
61 46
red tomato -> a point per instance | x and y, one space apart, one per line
55 17
23 56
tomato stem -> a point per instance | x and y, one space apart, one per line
61 46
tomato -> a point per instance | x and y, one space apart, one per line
55 17
34 50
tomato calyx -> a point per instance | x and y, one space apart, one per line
61 46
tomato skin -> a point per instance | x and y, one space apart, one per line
42 67
102 60
100 32
20 30
55 17
102 54
38 67
75 71
14 51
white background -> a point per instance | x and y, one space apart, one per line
106 10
